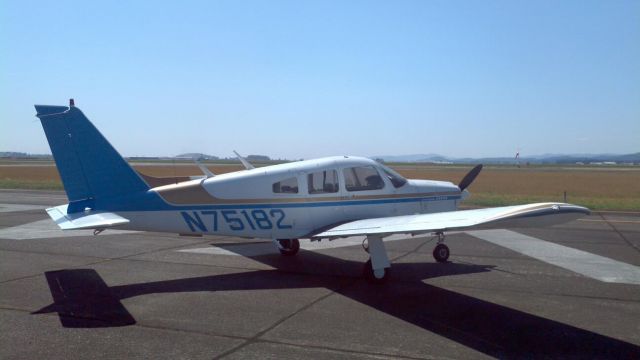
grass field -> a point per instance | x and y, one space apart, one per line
599 188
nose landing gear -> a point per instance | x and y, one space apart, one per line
441 251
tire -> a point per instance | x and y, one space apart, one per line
441 253
288 247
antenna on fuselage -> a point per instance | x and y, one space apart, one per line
207 173
247 165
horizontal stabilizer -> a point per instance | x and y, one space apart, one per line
84 220
541 214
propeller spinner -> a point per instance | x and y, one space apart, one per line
471 175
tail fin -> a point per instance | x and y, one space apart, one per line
89 166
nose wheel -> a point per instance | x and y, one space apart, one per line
441 251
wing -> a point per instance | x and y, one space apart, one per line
530 215
84 220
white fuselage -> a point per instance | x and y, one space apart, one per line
291 200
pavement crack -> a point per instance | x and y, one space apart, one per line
257 336
338 350
630 243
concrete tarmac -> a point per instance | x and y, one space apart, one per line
152 295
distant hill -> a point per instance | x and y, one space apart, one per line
409 158
534 159
258 158
21 155
197 156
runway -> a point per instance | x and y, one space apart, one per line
568 291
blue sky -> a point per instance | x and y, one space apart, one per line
303 79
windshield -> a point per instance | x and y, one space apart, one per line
396 179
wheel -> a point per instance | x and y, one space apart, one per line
371 277
288 247
441 253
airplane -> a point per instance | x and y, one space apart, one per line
322 199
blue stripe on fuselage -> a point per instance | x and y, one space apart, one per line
151 201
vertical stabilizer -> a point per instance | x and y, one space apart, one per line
89 166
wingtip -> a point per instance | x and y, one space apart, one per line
578 208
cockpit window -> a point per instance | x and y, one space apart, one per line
396 179
286 186
362 178
322 182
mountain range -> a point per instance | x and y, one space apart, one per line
420 158
532 159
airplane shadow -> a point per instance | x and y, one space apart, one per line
83 300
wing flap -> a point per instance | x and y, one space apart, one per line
540 214
84 220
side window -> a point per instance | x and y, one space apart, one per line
396 179
287 186
362 178
322 182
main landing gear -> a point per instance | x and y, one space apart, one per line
376 269
288 247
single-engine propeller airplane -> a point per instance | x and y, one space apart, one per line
327 198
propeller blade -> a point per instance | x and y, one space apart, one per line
468 179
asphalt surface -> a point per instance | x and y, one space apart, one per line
152 295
